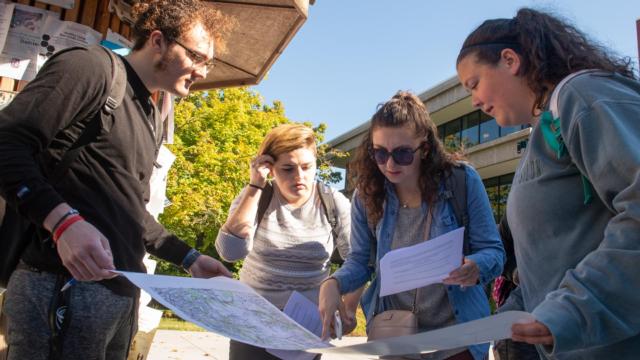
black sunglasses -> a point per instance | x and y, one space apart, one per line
402 156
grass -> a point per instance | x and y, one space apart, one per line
171 322
360 329
174 323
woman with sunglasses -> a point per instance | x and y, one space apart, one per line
399 171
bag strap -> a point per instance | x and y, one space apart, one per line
553 101
552 131
263 203
373 246
117 89
329 206
456 193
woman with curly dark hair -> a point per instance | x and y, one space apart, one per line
574 206
400 200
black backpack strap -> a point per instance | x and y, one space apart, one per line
118 86
263 204
373 247
456 193
117 90
329 206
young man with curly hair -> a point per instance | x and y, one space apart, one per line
93 219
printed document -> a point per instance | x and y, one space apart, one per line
67 4
229 308
304 312
422 264
18 57
6 12
479 331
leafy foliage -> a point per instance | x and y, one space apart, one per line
217 134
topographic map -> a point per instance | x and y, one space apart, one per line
229 308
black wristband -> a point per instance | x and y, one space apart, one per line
63 218
256 186
190 258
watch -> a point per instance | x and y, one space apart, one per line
190 258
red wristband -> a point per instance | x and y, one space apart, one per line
65 225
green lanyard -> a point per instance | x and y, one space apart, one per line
553 137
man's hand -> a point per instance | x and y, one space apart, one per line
85 252
532 333
206 267
466 275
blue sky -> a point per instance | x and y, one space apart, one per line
351 55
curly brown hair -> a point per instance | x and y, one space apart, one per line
549 47
175 17
403 109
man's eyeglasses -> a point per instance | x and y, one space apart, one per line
402 156
197 58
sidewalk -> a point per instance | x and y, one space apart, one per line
194 345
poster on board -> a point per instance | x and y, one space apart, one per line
18 57
65 4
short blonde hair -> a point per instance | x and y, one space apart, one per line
286 138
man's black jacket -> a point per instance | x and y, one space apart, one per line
109 181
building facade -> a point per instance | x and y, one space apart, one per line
492 150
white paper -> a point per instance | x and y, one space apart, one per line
65 34
67 4
18 57
304 312
479 331
58 35
118 39
158 182
229 308
6 12
422 264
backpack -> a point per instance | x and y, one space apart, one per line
328 204
455 191
550 126
15 230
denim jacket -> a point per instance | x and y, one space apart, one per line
487 252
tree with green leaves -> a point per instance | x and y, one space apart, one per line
217 134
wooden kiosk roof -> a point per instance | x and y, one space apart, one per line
263 29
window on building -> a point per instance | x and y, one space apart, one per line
472 129
452 131
489 130
498 191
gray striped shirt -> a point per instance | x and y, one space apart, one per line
290 249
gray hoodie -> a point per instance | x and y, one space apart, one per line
579 265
